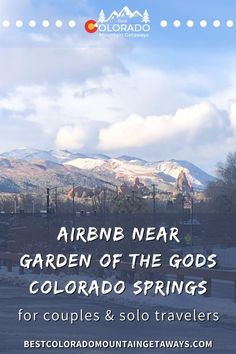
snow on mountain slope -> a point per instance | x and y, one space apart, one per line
59 156
86 163
196 171
29 154
131 159
113 170
126 169
172 168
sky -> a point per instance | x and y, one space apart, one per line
169 96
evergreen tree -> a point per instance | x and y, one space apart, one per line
102 17
222 192
146 17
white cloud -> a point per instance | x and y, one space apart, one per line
132 112
74 97
71 137
194 125
232 114
49 66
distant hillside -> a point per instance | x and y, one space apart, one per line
23 176
31 169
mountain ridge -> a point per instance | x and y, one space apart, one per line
23 168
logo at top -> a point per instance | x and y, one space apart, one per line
91 26
124 23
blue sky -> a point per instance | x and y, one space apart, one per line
172 95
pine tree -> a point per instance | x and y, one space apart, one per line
102 17
146 17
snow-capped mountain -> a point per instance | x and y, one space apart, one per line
197 177
29 154
127 169
125 12
38 167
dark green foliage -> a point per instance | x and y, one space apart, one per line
222 192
